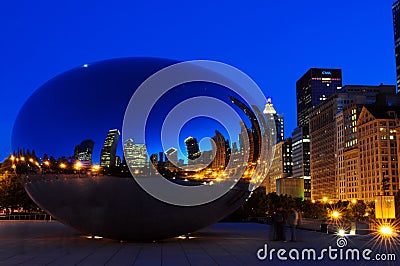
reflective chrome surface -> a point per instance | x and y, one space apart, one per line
75 164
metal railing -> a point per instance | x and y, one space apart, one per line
27 217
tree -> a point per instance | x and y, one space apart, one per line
356 211
13 195
316 210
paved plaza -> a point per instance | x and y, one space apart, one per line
52 243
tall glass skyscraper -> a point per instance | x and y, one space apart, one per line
278 118
315 86
396 27
192 148
135 154
107 155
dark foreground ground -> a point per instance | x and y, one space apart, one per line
51 243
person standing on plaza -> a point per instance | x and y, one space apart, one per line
280 220
293 219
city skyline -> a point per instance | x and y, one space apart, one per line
275 54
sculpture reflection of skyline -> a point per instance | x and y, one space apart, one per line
206 165
222 162
83 119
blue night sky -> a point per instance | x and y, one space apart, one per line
274 42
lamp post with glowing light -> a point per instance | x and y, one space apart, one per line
386 231
62 166
95 169
78 165
335 215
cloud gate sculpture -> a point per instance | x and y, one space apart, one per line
143 148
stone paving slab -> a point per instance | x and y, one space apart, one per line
52 243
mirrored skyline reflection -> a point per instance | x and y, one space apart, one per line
77 119
215 106
232 105
86 102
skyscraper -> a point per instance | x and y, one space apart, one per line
323 137
154 160
301 158
332 135
254 134
347 171
281 166
315 86
192 148
108 152
171 158
135 154
278 118
219 146
396 27
84 151
377 128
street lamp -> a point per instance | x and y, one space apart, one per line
335 215
78 165
386 230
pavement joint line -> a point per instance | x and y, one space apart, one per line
231 254
208 254
137 255
115 253
184 252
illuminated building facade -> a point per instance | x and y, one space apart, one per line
333 125
135 154
347 136
290 186
301 158
192 148
253 133
108 152
396 27
315 86
327 142
154 160
378 152
171 158
281 166
347 165
220 149
84 151
278 118
333 134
